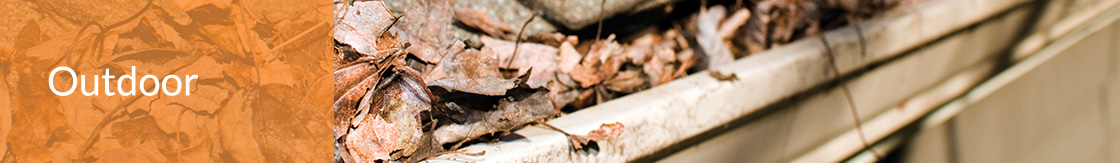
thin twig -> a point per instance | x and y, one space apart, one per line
517 43
599 31
550 126
101 35
479 153
75 43
460 144
97 40
293 39
859 33
54 17
391 24
848 96
464 141
108 118
862 53
179 137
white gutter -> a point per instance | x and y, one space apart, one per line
1032 52
667 114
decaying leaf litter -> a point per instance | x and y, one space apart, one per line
410 85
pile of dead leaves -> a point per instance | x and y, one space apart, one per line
388 110
777 22
403 92
405 89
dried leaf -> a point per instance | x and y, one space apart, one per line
736 20
478 20
601 62
362 24
586 98
426 22
391 117
35 115
551 39
470 71
687 59
641 50
134 132
604 132
712 47
373 140
427 147
465 63
561 98
490 86
236 127
569 58
344 105
281 137
348 77
541 58
660 67
626 82
722 76
512 112
29 36
658 71
753 36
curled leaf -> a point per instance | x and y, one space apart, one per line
513 112
604 132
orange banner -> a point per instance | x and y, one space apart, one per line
166 81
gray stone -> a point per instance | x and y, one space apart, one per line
577 14
509 12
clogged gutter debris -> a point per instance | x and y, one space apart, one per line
425 77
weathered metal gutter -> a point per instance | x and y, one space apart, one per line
665 117
1037 49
